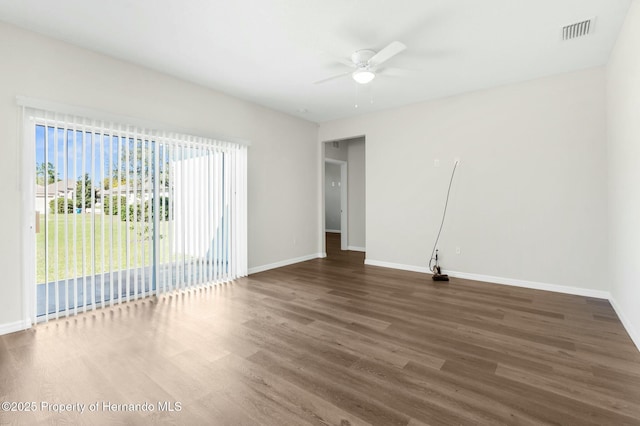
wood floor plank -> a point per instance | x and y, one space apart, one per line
352 400
309 406
629 406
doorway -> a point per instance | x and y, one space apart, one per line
336 196
344 195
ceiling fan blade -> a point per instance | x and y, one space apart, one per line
338 59
387 53
346 62
333 77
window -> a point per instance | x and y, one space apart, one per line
123 213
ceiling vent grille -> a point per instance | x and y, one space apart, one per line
579 29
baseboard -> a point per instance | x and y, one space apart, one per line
401 266
356 248
12 327
631 331
577 291
287 262
333 231
600 294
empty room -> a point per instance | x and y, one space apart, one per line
324 212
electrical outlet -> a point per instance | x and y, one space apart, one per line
457 250
436 163
456 160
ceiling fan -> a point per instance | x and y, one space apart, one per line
367 62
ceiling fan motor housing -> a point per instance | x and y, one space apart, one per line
361 58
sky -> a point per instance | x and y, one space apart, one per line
98 163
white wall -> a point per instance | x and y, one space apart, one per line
332 192
529 199
623 124
283 158
356 185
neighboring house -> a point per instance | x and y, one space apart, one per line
133 195
44 195
67 189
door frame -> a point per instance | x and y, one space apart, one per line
344 202
28 231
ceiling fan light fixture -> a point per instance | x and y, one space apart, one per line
363 76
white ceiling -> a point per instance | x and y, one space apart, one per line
271 51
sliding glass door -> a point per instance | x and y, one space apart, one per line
122 213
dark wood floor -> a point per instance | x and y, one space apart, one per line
331 341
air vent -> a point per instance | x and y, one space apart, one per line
335 144
579 29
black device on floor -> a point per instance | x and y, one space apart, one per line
437 272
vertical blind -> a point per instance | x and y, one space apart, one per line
125 212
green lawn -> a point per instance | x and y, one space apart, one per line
79 259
